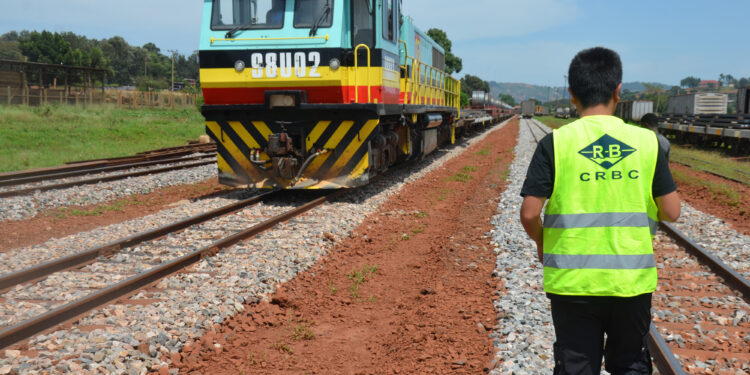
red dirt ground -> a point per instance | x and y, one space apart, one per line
703 199
418 313
51 224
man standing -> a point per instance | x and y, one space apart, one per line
608 185
650 121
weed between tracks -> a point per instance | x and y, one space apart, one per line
359 277
483 152
116 206
719 191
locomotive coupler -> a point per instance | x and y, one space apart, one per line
283 156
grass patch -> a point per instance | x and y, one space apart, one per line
483 152
332 288
711 161
719 191
460 177
359 277
444 194
420 215
282 347
35 137
303 332
418 230
116 206
554 122
468 169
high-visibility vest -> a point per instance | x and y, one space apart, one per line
601 218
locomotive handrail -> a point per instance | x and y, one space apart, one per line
436 83
326 37
356 74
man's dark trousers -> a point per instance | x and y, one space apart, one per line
580 326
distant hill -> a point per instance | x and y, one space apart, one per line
638 86
522 91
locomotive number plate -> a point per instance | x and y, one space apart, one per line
285 64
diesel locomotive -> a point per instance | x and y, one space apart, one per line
320 94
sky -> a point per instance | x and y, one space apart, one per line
529 41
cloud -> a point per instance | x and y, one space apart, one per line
479 19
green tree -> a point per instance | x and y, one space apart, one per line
743 82
9 50
691 82
45 47
464 99
508 99
453 63
656 94
470 83
121 57
11 36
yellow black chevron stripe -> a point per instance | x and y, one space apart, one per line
346 164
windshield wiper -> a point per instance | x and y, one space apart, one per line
326 10
230 33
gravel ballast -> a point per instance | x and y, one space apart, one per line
138 337
27 206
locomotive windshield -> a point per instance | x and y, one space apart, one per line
313 13
247 14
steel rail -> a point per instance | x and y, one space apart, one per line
704 170
662 355
536 140
731 276
30 327
11 193
12 279
81 172
98 163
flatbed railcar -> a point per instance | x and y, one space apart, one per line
709 130
321 94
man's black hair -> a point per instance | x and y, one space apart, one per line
594 74
649 120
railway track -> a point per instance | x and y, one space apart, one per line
133 267
700 308
741 176
29 181
695 335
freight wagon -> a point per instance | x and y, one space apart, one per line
633 110
743 100
527 108
698 104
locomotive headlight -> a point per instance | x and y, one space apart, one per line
239 66
334 63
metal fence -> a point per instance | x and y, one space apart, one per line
35 96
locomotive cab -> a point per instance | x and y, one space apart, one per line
309 93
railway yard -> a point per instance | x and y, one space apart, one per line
424 270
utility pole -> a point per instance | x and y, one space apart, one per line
172 87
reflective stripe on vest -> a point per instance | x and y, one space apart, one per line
600 219
600 261
605 219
